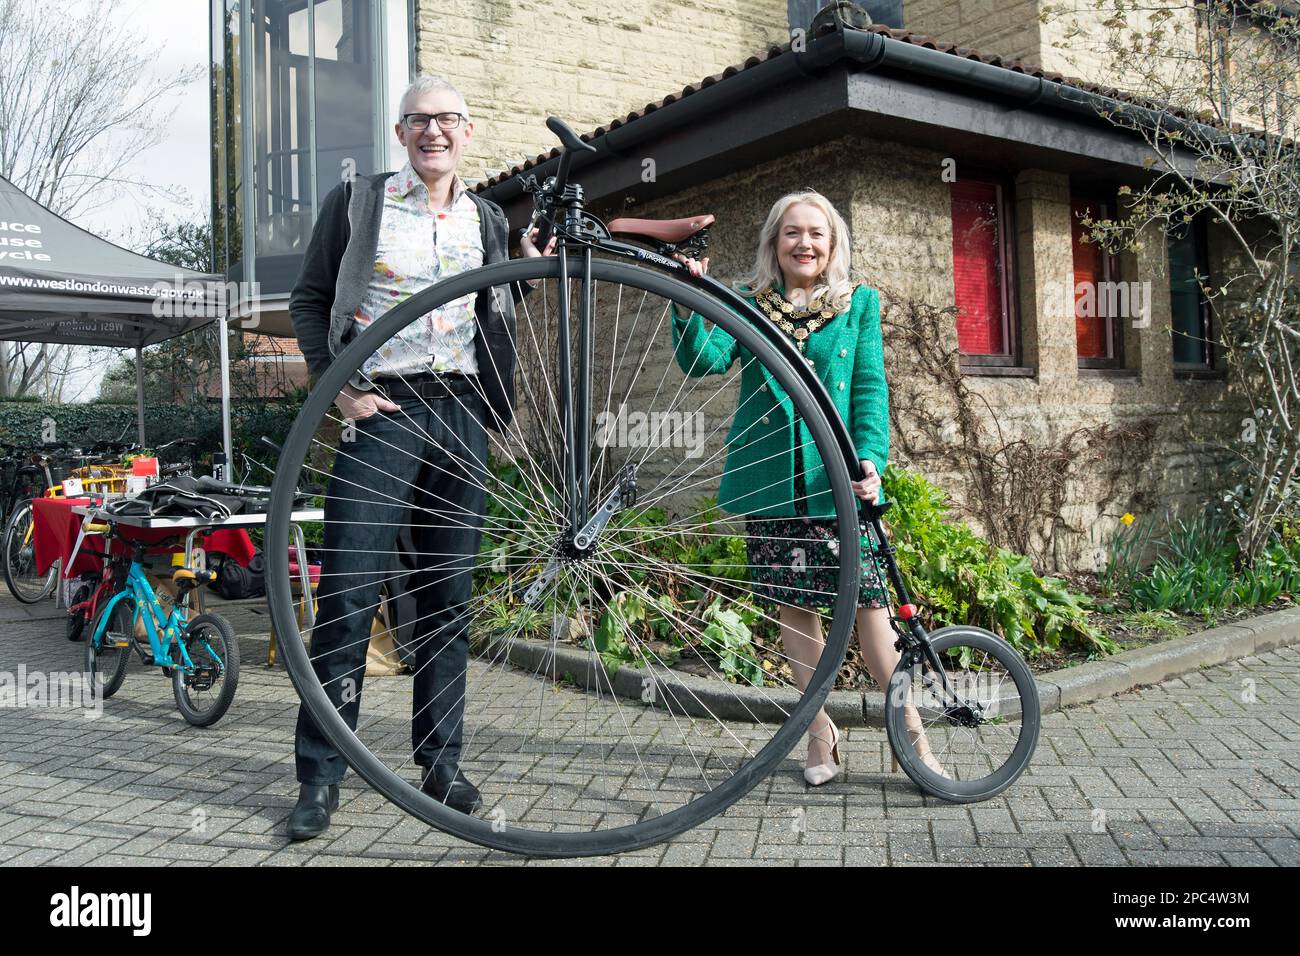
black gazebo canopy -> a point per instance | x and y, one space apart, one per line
63 285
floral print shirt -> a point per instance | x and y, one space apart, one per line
418 246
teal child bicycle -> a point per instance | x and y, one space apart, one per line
200 655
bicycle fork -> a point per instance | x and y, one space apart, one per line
574 398
575 405
914 644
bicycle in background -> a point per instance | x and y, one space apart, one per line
199 655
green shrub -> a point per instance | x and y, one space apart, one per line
959 578
23 423
956 577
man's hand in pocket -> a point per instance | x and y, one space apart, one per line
356 404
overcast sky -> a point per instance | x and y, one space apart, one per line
177 30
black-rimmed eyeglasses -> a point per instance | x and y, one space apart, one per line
416 122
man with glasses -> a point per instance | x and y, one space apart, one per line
418 454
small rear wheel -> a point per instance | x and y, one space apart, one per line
205 690
74 628
979 721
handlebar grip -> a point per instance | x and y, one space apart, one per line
543 236
871 511
177 441
572 144
571 141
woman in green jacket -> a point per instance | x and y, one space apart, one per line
774 476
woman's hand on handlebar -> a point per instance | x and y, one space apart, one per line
696 267
868 489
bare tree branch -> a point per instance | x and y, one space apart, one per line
79 101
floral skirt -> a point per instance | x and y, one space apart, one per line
796 560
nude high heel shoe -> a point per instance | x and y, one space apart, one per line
826 772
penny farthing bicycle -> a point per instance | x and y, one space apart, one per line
625 682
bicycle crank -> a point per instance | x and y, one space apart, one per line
570 548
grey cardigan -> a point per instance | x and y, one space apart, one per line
336 270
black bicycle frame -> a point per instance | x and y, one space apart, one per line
38 481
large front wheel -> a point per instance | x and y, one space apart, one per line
596 642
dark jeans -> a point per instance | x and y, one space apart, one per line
388 467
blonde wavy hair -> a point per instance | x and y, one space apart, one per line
836 284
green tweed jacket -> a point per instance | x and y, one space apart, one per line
758 478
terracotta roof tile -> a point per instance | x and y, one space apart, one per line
774 50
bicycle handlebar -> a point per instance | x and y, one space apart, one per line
177 441
554 192
572 143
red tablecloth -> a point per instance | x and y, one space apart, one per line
56 529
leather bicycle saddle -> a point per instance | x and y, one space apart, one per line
665 230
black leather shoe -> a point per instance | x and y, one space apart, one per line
448 785
311 817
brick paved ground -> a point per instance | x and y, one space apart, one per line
1188 772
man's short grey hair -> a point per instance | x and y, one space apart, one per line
428 83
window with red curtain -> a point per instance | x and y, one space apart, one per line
1092 324
979 268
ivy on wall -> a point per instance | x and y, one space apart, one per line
1016 485
29 424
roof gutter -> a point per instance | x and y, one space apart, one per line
867 51
873 50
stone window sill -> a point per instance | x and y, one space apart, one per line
1000 371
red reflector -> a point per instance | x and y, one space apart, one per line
907 611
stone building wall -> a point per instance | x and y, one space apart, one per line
1009 28
519 61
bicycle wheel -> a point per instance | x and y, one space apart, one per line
108 656
570 709
204 692
20 559
982 727
74 627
